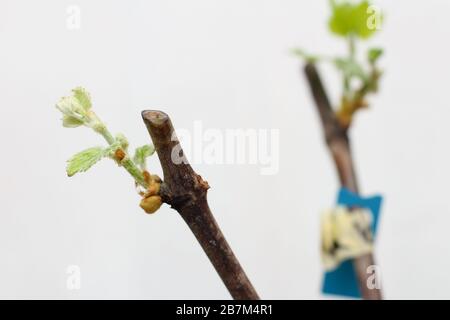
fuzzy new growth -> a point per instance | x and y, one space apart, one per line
77 111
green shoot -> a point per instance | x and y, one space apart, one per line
77 111
352 21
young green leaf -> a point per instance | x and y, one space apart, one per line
374 54
142 153
307 57
71 122
351 19
83 97
350 68
83 160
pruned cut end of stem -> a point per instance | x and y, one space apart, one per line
155 117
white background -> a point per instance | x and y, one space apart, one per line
226 63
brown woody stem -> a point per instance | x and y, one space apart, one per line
338 143
185 191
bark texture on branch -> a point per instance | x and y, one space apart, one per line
185 191
338 143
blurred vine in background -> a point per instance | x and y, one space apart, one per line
353 22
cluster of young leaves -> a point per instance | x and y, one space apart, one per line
352 22
77 111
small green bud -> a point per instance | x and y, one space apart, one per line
142 153
123 141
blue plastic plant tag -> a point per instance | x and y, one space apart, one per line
342 281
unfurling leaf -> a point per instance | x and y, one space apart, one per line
374 54
76 109
350 68
349 18
83 160
83 97
71 122
142 153
122 140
